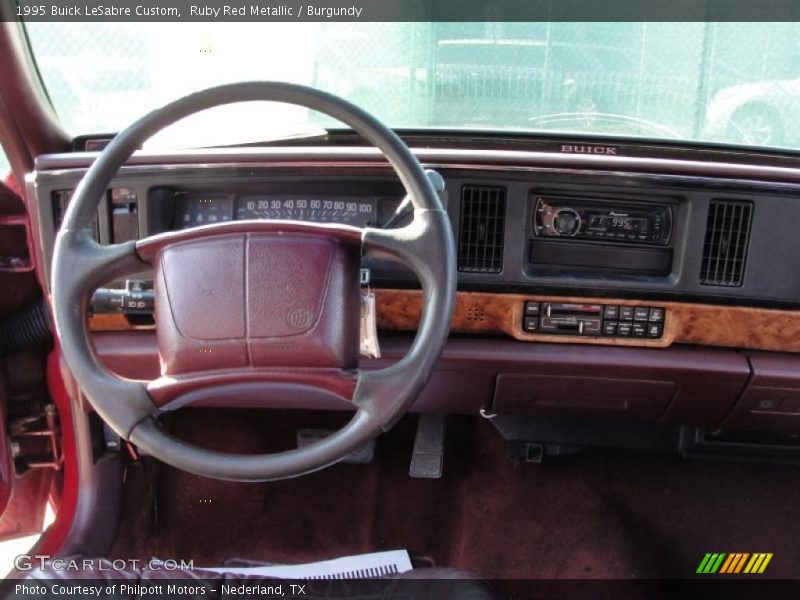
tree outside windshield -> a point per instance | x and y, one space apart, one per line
722 82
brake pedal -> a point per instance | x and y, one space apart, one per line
362 456
427 460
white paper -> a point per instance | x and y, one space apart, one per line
375 564
369 327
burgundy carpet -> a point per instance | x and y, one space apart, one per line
599 514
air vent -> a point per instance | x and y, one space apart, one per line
61 199
483 216
726 243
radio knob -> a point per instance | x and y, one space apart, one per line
566 222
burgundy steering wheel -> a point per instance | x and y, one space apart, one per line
285 309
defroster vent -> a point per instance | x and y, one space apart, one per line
482 229
726 244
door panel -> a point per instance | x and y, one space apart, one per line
26 487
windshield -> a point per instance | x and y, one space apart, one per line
721 82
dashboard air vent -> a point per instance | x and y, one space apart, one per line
726 243
61 199
482 228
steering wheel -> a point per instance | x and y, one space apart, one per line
251 307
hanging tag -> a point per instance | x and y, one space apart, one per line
369 327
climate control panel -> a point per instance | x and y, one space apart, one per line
606 320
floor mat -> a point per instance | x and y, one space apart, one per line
598 514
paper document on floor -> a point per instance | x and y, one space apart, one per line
374 564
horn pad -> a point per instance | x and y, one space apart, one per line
257 300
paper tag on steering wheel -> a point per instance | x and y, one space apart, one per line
369 327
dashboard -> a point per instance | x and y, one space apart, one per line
643 254
579 228
567 254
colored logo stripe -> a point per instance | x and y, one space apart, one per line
758 564
711 563
733 563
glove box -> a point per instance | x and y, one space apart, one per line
575 396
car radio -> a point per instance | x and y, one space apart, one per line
608 221
587 320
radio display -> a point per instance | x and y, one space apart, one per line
612 223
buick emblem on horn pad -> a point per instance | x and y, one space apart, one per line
299 318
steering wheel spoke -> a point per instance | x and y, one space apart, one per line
89 266
420 245
98 264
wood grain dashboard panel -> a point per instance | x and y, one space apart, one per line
501 314
704 324
115 322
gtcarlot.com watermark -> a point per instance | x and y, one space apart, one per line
26 562
54 581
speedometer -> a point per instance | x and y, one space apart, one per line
360 212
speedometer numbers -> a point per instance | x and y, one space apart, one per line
193 210
349 211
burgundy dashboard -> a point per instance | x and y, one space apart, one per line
644 286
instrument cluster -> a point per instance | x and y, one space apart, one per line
193 210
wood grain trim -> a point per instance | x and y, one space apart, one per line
114 322
501 314
704 324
